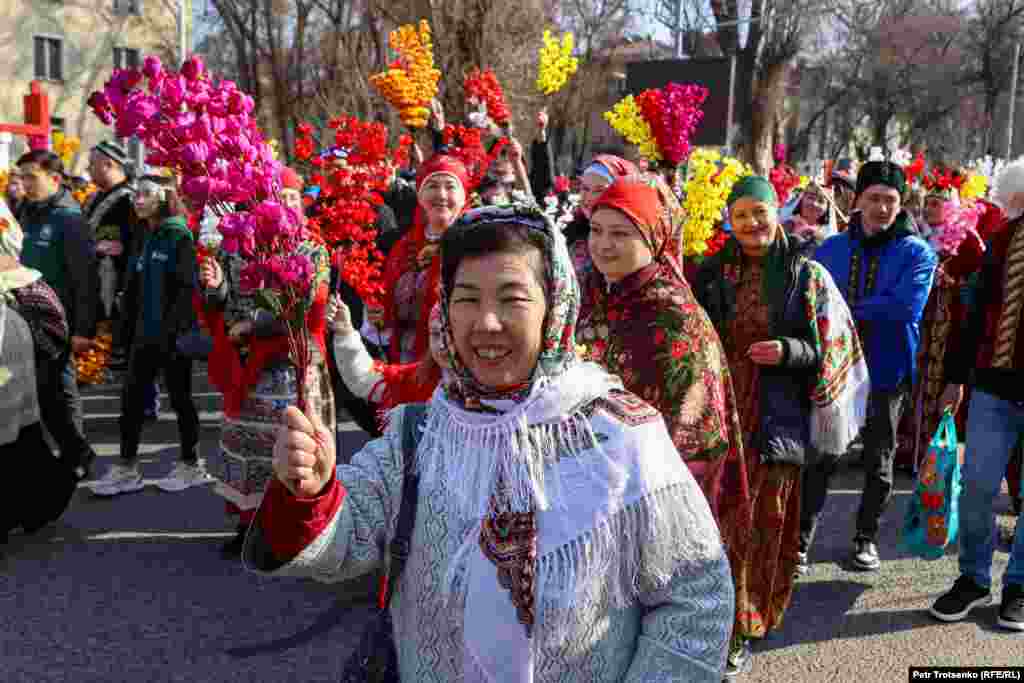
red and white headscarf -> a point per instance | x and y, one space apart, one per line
443 164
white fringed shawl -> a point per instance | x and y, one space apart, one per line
605 505
839 398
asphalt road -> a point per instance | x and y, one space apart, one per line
134 589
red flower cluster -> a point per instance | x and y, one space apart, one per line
716 243
915 169
466 144
944 179
483 86
784 179
344 215
673 113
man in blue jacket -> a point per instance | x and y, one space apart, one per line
885 272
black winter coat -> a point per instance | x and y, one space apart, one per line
785 400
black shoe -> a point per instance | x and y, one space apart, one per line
740 660
964 596
1011 611
232 550
865 555
84 468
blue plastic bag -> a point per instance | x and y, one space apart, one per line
932 520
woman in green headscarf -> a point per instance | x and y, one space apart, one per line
801 388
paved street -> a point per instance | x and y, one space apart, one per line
134 589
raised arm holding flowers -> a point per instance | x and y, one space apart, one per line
272 272
410 83
555 63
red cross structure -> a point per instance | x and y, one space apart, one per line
37 118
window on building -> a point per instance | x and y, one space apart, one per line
49 58
128 7
127 58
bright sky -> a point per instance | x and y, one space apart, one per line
647 25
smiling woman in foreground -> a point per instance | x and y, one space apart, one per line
559 537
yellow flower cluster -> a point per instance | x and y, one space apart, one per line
975 188
411 81
65 146
710 178
556 63
4 179
82 196
626 119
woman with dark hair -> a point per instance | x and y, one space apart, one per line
560 536
157 308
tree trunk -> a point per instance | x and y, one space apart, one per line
991 100
767 100
879 127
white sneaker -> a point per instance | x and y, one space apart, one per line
118 479
184 476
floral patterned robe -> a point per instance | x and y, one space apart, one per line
650 331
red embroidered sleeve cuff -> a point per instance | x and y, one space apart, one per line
289 524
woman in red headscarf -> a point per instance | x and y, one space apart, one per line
640 321
413 267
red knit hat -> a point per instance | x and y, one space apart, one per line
290 180
443 163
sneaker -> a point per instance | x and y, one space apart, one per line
740 660
803 565
865 556
183 476
964 596
1011 611
119 479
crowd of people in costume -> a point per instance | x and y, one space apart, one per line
604 449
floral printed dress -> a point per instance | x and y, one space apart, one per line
766 572
650 331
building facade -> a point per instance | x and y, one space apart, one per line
72 47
